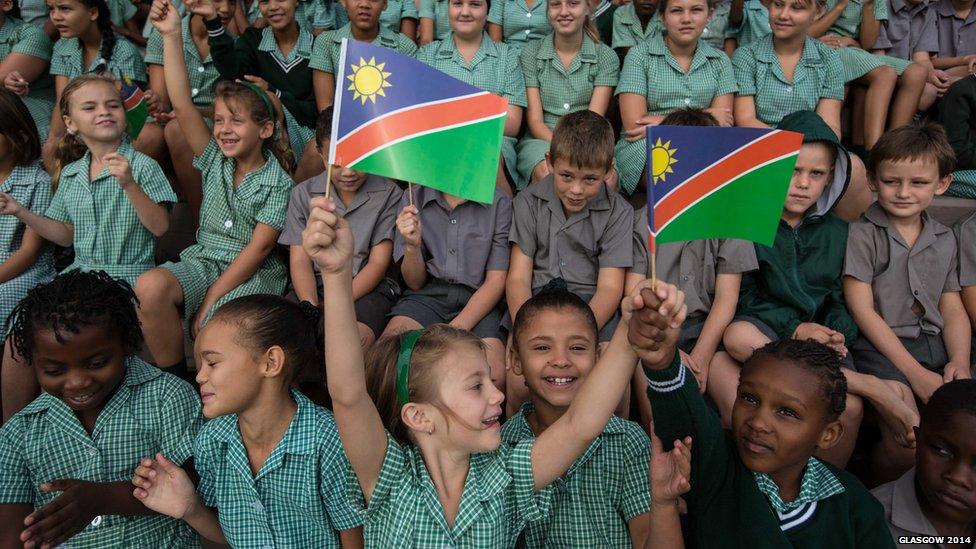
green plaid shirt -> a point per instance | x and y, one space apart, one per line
818 483
498 499
519 22
436 10
202 73
819 74
849 22
755 23
651 70
66 60
297 499
325 52
150 412
107 232
567 90
17 36
228 215
120 11
627 28
606 487
396 11
495 67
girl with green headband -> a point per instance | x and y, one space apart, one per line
420 418
245 197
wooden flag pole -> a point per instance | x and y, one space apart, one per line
410 192
654 271
328 180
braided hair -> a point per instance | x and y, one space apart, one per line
73 301
817 359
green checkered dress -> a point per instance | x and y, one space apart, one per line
519 22
437 11
325 52
606 487
228 217
563 90
627 28
858 62
499 498
150 412
31 186
108 234
298 498
717 27
66 60
755 24
202 73
819 74
17 36
396 11
120 11
330 15
650 70
494 67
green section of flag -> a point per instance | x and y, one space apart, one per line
452 161
748 208
136 118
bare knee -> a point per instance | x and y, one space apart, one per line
157 289
173 134
914 75
741 339
853 410
366 336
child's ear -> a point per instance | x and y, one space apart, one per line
513 359
274 362
944 184
872 183
549 163
267 130
414 416
831 435
93 14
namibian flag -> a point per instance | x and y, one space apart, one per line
136 110
397 117
708 182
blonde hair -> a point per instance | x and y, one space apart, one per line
71 147
232 93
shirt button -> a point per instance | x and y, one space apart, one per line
562 263
789 89
97 521
200 69
195 91
528 15
687 100
527 31
915 292
228 224
685 278
92 451
566 106
451 251
257 506
454 222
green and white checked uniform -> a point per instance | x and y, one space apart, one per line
718 26
120 11
299 497
31 186
858 62
150 412
330 14
126 60
228 216
436 10
519 22
34 12
499 497
627 28
563 90
17 36
325 51
253 13
818 74
494 68
606 487
396 11
755 24
818 483
108 234
650 70
202 74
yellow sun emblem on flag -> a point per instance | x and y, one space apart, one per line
662 158
368 80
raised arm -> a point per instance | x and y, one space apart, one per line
563 442
328 241
167 21
822 25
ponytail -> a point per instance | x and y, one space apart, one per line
279 146
590 29
104 22
70 148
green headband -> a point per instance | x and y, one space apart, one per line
403 365
264 97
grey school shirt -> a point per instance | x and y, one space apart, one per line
460 245
904 515
908 30
965 232
957 37
693 266
371 215
573 248
900 275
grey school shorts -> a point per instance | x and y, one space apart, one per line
439 302
845 362
929 350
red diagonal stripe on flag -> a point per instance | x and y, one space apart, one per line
412 121
754 154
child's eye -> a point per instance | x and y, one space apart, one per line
477 386
581 348
940 451
747 398
52 373
789 412
541 348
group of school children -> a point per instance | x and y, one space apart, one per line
383 365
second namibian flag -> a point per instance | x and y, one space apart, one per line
397 117
709 182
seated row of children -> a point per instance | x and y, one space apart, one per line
549 60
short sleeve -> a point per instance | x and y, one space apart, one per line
966 232
622 37
15 480
409 10
616 244
154 48
57 210
61 59
641 259
205 462
636 496
744 67
736 256
530 504
860 256
393 472
386 221
929 36
608 67
633 75
514 79
152 180
180 420
726 76
128 10
952 277
128 61
334 473
296 217
496 13
881 10
210 158
500 252
275 206
426 9
321 58
33 42
405 45
530 63
522 231
833 82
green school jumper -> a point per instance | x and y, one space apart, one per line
726 506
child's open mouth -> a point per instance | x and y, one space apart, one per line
560 381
